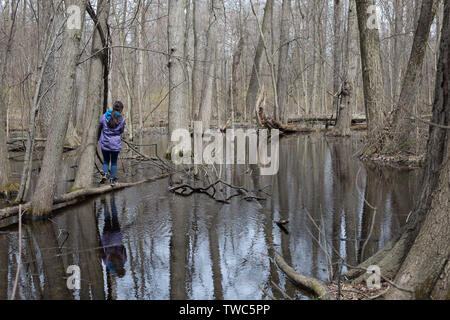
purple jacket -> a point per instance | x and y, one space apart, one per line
110 138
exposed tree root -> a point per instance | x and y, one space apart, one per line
393 255
311 284
355 273
389 259
79 195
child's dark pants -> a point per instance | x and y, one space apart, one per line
110 157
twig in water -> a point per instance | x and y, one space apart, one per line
266 293
282 292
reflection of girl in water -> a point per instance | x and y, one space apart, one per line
114 254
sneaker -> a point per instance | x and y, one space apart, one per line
113 181
104 178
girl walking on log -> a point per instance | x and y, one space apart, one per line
112 126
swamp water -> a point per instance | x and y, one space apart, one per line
147 243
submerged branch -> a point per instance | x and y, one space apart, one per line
315 285
186 190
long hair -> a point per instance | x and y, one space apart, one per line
116 117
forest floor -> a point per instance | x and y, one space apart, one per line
357 292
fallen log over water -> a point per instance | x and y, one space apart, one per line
74 197
356 119
274 124
311 284
18 144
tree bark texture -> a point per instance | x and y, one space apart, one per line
65 97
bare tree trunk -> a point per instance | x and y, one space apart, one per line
178 109
210 54
95 99
140 68
323 65
37 99
24 16
78 111
337 51
195 66
399 138
47 10
254 84
220 88
269 59
371 65
283 65
44 194
5 173
428 258
348 92
315 72
187 84
234 77
126 76
302 64
398 25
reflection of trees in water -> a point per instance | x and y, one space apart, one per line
387 191
341 187
4 266
148 249
82 245
193 248
340 211
284 202
178 252
215 252
374 208
49 247
50 264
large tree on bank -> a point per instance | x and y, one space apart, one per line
5 170
371 65
65 97
397 137
417 260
